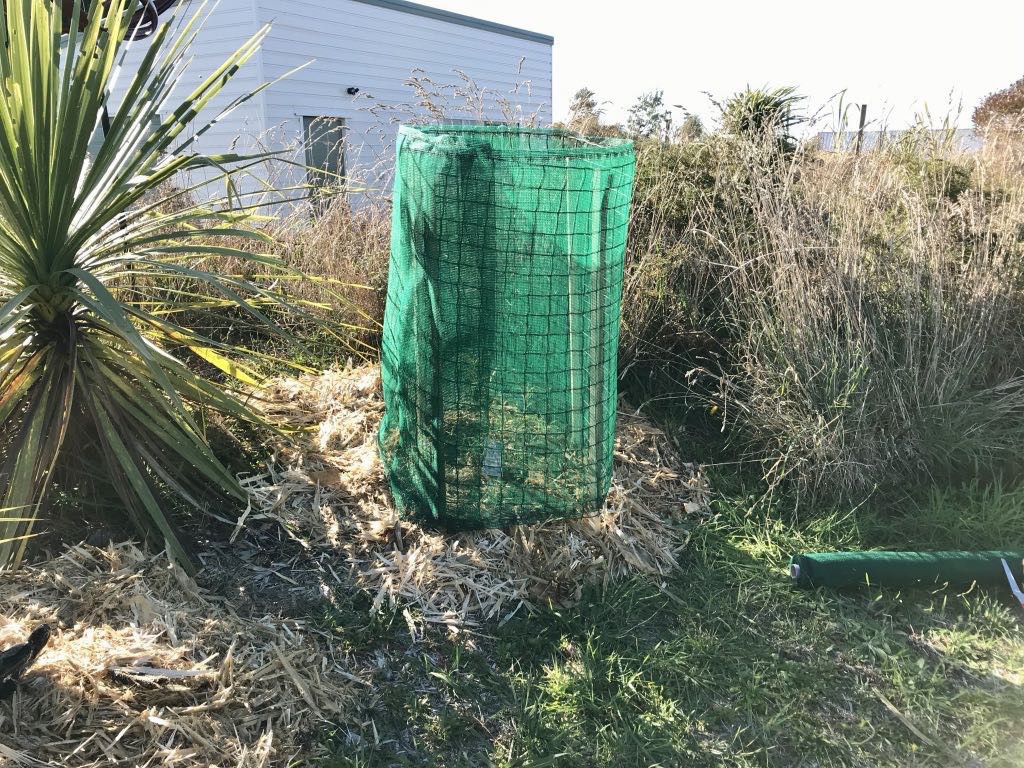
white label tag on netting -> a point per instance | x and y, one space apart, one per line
492 459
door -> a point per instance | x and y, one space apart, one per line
324 139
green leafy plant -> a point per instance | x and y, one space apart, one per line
649 117
98 270
762 113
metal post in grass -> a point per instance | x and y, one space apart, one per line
860 127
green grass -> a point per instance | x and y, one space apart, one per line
728 665
976 516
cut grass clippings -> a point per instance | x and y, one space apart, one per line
146 668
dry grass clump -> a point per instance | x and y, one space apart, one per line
333 494
333 270
882 297
337 264
145 668
854 321
345 251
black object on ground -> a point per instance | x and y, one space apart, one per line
16 660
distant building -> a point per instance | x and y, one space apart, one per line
363 52
959 139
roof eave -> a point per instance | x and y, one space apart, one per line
426 11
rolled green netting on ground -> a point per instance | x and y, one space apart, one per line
498 358
904 569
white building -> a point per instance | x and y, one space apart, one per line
362 54
952 139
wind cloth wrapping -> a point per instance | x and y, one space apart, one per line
904 569
499 349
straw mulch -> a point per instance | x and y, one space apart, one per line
145 668
148 667
331 494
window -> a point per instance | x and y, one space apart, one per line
324 139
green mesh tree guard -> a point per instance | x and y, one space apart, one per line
498 360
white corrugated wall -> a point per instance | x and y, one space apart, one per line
229 25
348 43
375 49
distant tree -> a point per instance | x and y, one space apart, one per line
759 113
1003 108
690 129
584 112
649 117
586 116
584 104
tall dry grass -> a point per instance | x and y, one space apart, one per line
334 275
862 316
345 253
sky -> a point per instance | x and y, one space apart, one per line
901 57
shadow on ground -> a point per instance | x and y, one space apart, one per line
726 664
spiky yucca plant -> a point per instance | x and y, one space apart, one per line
86 330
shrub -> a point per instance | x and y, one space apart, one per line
674 182
932 164
1002 109
757 114
649 117
691 129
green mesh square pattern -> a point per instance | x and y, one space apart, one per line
499 351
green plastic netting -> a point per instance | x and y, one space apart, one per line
499 354
903 569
